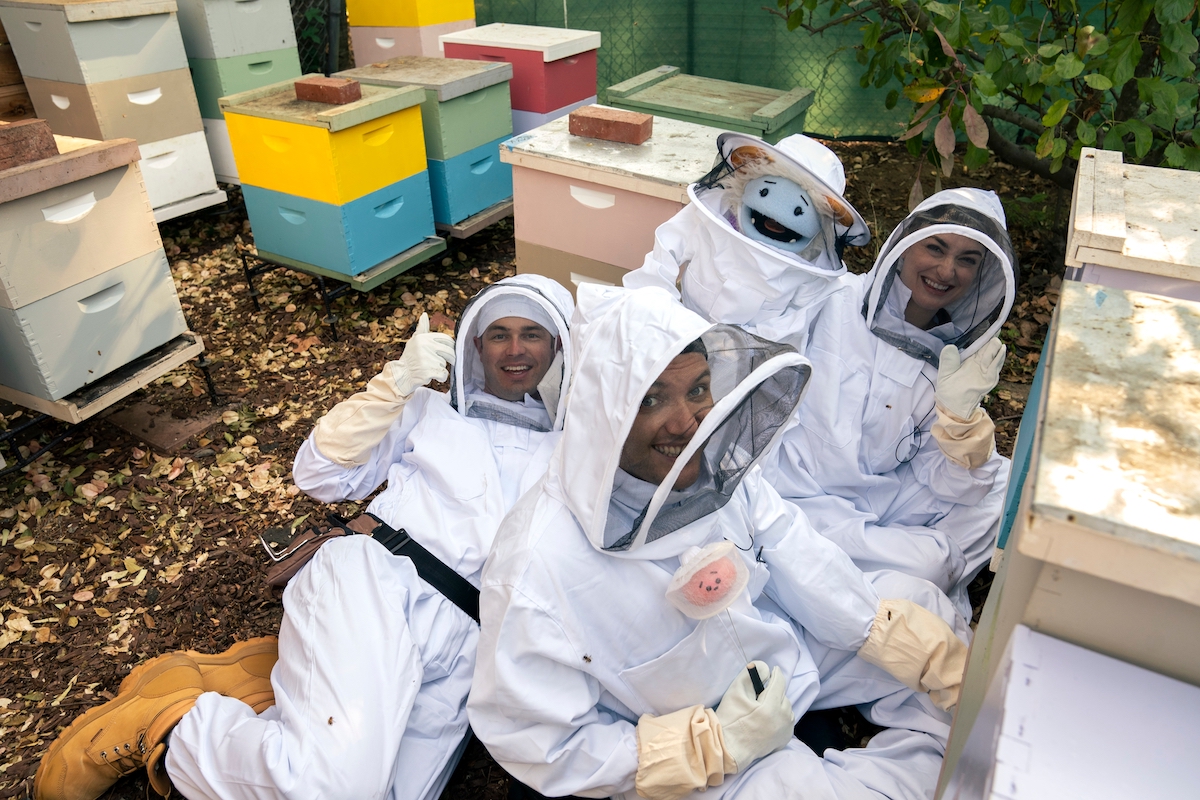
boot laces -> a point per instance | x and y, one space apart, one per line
124 758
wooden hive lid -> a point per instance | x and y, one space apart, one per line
77 159
449 77
553 43
278 101
90 10
1116 489
1125 216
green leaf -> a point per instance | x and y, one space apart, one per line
943 9
1122 60
1173 153
1055 113
1143 137
1032 93
976 157
1191 157
986 86
1179 37
1059 149
1045 143
871 35
994 60
1112 139
1176 64
1086 133
1013 40
1068 65
998 15
893 97
1168 11
1076 149
1017 7
1097 81
76 472
1050 50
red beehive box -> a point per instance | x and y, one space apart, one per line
552 67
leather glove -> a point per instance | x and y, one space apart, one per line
917 648
679 753
352 428
961 385
755 727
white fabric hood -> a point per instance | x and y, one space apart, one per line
466 390
624 339
974 318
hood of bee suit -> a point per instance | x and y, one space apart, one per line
624 339
975 317
535 297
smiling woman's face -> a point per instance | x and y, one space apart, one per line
938 270
668 417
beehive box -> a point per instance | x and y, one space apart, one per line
331 154
221 77
143 107
466 103
177 168
770 114
468 183
214 29
69 218
379 43
602 201
408 13
93 42
552 67
1134 227
1105 548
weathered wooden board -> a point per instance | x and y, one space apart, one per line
278 101
449 77
77 159
15 103
87 10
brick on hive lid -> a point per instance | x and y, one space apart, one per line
611 124
335 91
25 141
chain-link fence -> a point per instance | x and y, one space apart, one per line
725 39
311 18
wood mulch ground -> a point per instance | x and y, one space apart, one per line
112 551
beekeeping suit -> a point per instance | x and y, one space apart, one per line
731 275
587 673
877 462
374 663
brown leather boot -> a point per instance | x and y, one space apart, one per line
122 735
242 672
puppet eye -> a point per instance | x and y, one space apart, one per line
763 192
799 211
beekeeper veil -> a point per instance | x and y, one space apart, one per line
533 297
977 315
625 339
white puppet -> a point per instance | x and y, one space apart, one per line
760 243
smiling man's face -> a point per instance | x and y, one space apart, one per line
516 353
667 419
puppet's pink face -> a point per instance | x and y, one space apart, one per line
711 583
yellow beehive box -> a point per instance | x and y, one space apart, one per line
408 13
329 153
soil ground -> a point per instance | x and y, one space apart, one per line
112 552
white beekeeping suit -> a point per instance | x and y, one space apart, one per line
581 652
731 277
374 663
868 462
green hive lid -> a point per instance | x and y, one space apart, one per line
88 10
709 101
449 77
278 101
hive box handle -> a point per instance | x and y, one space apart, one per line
593 199
389 208
482 165
61 101
260 67
386 43
292 215
103 299
145 98
378 136
70 211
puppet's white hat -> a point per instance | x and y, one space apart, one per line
813 159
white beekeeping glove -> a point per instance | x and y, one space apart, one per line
754 727
352 428
963 429
917 648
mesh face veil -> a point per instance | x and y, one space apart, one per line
973 318
755 386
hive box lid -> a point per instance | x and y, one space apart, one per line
77 159
677 155
1136 218
1117 472
554 43
278 101
88 10
449 77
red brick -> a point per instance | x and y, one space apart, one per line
335 91
611 124
25 141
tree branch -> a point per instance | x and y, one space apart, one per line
1015 118
1025 159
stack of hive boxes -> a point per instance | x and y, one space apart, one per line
234 46
383 29
466 114
84 283
339 187
113 69
554 69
